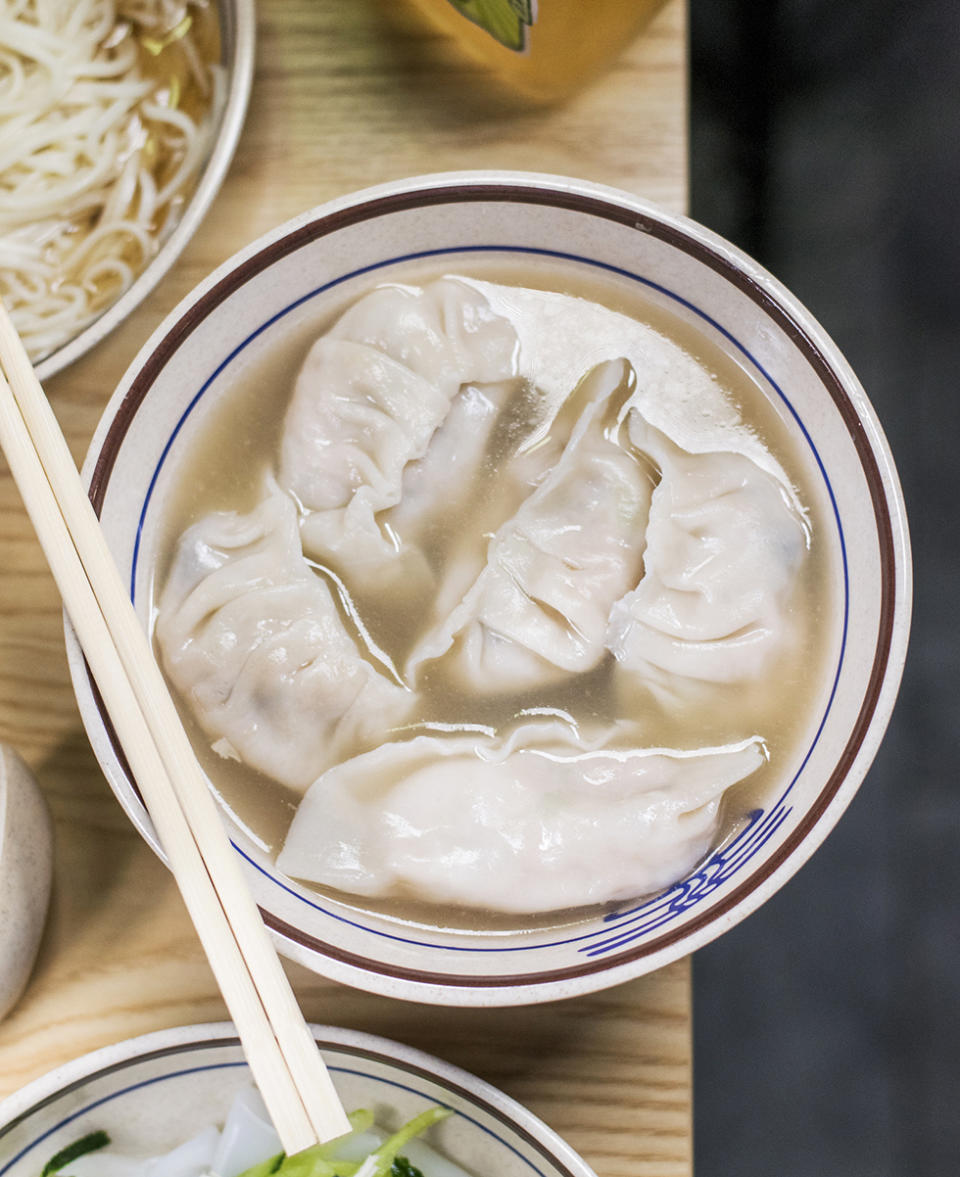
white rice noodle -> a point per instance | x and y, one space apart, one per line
82 128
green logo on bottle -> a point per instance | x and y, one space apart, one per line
505 20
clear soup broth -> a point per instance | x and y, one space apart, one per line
223 467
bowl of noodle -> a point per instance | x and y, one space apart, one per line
118 120
530 570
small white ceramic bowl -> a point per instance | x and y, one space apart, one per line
237 39
447 220
26 872
152 1093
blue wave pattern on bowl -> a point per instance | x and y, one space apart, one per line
620 928
429 1099
725 863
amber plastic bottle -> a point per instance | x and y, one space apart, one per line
543 48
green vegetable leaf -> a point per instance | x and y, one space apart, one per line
402 1168
89 1143
318 1161
311 1162
265 1168
360 1121
304 1164
388 1152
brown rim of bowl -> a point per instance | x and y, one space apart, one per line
645 223
359 1052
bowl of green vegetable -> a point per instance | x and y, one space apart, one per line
181 1103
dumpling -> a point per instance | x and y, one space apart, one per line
254 642
561 336
724 545
538 609
370 395
435 487
541 821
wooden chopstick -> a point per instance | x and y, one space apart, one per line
284 1059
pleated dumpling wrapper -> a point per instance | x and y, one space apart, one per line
541 821
370 395
253 640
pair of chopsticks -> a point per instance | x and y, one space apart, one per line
281 1052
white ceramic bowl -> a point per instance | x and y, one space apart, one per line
151 1093
26 872
342 247
237 38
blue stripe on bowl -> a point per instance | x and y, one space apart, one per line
726 862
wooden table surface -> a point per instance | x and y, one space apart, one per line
346 95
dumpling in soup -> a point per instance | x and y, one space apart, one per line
541 821
370 395
533 506
252 639
437 487
724 542
538 609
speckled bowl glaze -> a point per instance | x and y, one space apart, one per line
151 1093
26 869
447 220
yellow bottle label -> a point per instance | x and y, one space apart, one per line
506 21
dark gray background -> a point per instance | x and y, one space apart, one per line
826 142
